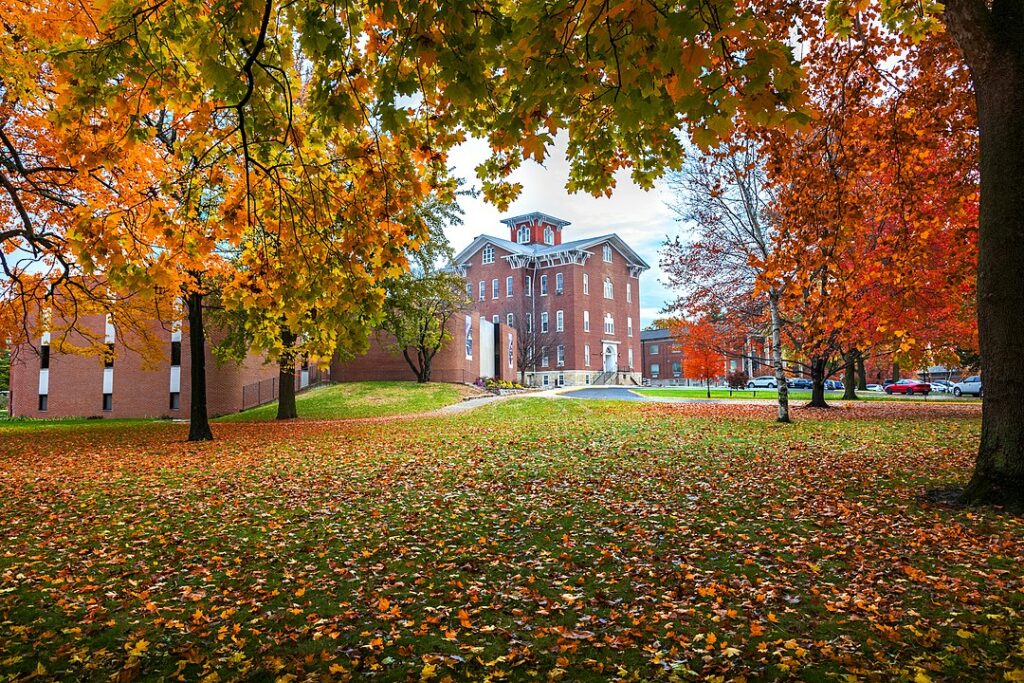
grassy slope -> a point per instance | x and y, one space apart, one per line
570 540
361 399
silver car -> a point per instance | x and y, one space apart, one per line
970 385
763 382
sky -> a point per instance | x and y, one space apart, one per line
641 218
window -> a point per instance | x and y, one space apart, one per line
587 378
609 324
549 235
469 290
654 349
543 285
677 368
529 286
559 322
44 402
469 336
508 286
561 379
529 322
544 356
175 353
559 283
586 321
586 283
510 320
524 234
544 321
655 370
629 327
586 355
495 318
488 256
483 290
108 356
175 400
629 357
494 288
607 288
545 380
607 253
108 402
560 355
629 292
44 356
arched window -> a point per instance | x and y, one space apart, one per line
607 253
488 254
549 235
524 234
607 288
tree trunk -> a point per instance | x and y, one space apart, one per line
993 43
895 371
707 382
286 408
424 374
818 383
780 371
199 420
862 375
850 376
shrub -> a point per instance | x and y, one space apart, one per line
737 379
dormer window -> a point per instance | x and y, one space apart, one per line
549 235
524 234
488 256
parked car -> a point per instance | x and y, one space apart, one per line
875 387
800 383
970 385
763 382
834 385
942 386
909 387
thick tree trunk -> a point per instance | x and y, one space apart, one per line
424 375
850 376
286 408
993 43
895 371
818 383
862 375
780 371
199 420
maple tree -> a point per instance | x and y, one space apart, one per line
700 341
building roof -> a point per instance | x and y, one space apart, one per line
656 334
535 214
541 250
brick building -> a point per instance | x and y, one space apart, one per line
122 385
662 357
576 304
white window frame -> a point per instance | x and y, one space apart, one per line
609 289
529 323
543 285
510 320
655 370
586 321
495 288
629 292
606 253
495 318
488 255
549 235
586 283
544 322
609 324
560 356
483 290
586 355
654 349
559 283
508 286
629 357
559 321
544 359
523 236
629 328
529 285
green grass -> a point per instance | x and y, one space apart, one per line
531 539
794 394
361 399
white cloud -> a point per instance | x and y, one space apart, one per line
639 217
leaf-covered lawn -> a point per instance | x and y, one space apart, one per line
362 399
796 395
533 538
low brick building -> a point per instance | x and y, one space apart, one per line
662 357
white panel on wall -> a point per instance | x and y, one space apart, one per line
175 378
486 348
304 379
108 380
108 331
44 381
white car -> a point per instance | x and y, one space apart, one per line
942 386
875 387
970 385
763 382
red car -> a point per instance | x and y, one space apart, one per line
909 387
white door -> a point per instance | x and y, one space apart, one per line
609 358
